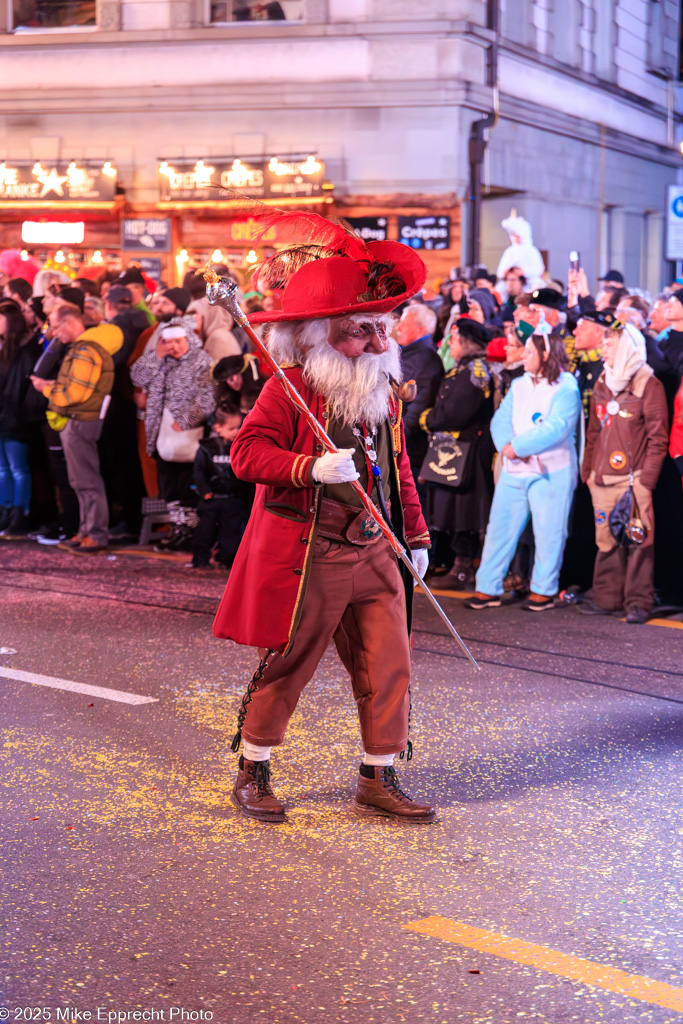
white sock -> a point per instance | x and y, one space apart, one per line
252 752
381 759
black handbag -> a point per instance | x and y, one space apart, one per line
50 360
625 523
448 461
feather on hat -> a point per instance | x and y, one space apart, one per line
329 270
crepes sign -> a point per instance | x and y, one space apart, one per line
425 232
272 178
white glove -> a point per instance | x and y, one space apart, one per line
420 559
335 467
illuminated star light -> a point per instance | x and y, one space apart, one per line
51 182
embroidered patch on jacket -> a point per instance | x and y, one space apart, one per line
617 460
479 374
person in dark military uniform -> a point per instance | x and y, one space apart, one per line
464 407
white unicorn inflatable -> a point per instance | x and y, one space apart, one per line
521 252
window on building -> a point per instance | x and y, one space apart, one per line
256 10
40 14
565 27
516 21
604 34
661 42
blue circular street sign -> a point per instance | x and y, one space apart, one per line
677 206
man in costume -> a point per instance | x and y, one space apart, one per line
313 566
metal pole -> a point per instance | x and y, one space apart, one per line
477 141
407 561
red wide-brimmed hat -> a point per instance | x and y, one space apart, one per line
333 271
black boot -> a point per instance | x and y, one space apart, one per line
178 540
5 512
183 521
16 526
460 577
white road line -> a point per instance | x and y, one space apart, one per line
69 684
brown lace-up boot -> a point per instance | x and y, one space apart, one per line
379 794
253 794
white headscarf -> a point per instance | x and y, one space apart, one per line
630 356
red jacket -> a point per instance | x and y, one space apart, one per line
276 448
676 443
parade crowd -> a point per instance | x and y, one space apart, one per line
545 436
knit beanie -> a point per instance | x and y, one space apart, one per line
74 296
485 300
180 297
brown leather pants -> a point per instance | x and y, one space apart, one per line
355 597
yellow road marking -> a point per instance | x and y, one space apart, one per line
162 556
610 979
463 594
660 622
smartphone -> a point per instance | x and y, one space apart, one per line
574 260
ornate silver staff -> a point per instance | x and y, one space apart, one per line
222 292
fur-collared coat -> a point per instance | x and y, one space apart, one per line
184 386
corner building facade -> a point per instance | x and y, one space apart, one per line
380 93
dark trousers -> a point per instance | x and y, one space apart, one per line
466 544
175 482
67 501
580 550
523 562
120 462
668 513
222 519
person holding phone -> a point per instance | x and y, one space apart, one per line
579 298
79 398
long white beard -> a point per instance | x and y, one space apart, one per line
358 390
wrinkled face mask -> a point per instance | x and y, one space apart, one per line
359 334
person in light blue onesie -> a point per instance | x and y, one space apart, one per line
535 430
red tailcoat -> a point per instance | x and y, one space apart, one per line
275 449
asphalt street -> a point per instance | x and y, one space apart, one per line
548 890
